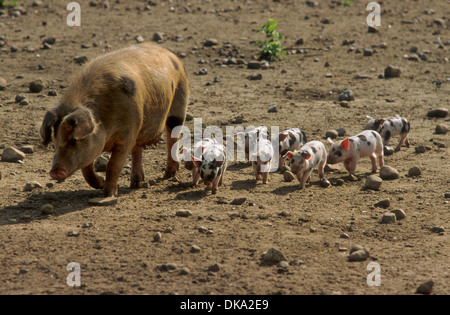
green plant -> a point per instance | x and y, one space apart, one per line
270 48
10 3
347 3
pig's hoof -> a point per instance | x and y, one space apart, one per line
353 178
103 202
169 174
214 192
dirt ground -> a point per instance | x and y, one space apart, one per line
114 245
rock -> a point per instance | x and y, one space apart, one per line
414 171
202 71
338 182
272 257
441 129
3 84
101 163
210 42
344 236
47 209
341 132
139 39
347 95
439 144
385 203
283 264
12 155
30 186
238 201
73 234
372 29
80 60
438 229
388 151
158 36
255 77
299 41
425 288
288 176
420 149
447 195
325 183
28 149
195 249
388 173
392 72
373 182
214 268
344 104
36 86
254 64
358 253
368 52
19 98
389 218
183 213
332 134
273 109
157 237
399 214
438 113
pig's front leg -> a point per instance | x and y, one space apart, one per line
94 180
373 158
195 176
350 166
265 177
118 159
302 178
137 173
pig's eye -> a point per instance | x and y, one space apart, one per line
339 153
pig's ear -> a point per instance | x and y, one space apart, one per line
50 120
306 155
80 123
381 123
330 141
345 144
288 155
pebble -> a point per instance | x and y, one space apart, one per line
385 203
3 84
438 113
283 264
373 182
19 98
12 155
425 288
183 213
438 229
202 71
392 72
101 163
358 253
347 95
388 173
210 42
441 129
325 183
238 201
157 237
344 104
446 195
272 257
214 268
388 151
414 171
399 214
420 149
254 64
341 132
368 52
139 39
273 109
47 209
288 176
36 86
344 235
338 182
73 234
28 149
158 36
389 218
332 134
80 60
195 249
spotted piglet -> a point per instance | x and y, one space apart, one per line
389 128
366 144
311 155
212 166
262 162
196 155
290 140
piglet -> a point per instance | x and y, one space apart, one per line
311 155
391 127
262 161
197 156
366 144
213 165
290 140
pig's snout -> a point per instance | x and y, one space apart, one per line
58 173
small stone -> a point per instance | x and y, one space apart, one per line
283 264
12 155
344 236
3 84
80 60
388 151
139 39
195 249
415 171
341 132
338 182
347 95
420 149
272 257
19 98
389 218
214 268
202 71
373 182
73 234
385 203
254 64
183 213
392 72
210 42
325 183
47 209
389 173
238 201
28 149
441 129
447 195
36 86
299 41
255 77
425 288
332 134
439 144
372 29
438 113
368 52
288 176
358 253
158 36
399 214
272 109
101 163
157 237
184 271
438 229
344 104
329 168
24 103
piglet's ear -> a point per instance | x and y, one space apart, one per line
345 144
307 156
283 137
288 155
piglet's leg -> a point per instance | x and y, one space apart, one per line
373 158
403 139
92 178
195 177
381 160
321 169
137 172
265 178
